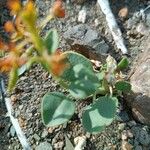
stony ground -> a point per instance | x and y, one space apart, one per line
26 99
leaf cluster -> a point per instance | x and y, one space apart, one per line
72 71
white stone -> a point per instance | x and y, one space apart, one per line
82 16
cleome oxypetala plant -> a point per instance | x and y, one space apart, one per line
72 71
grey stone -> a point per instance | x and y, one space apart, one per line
144 138
78 1
139 98
86 41
138 147
122 116
59 145
36 137
141 136
12 131
131 123
44 134
147 18
21 107
44 146
121 126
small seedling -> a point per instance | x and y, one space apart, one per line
71 70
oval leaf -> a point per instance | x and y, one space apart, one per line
56 109
100 114
22 70
74 59
86 82
13 78
123 86
123 64
52 41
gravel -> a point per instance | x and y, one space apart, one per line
34 84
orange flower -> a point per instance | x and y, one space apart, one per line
11 60
58 10
30 6
14 6
58 63
2 45
29 14
12 47
6 63
9 27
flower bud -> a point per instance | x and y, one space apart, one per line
9 27
58 10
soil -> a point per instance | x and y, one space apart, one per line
35 83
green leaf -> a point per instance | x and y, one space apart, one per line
74 59
82 89
52 41
123 86
13 77
101 75
99 114
68 145
123 64
22 70
56 109
86 82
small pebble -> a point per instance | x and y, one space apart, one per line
131 123
126 146
144 138
44 146
96 21
44 134
36 137
59 145
130 134
142 29
82 16
121 126
12 131
123 13
124 135
138 147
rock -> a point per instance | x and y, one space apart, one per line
82 16
124 135
139 98
121 126
12 131
122 116
132 22
129 134
147 18
44 146
78 1
131 123
96 21
44 134
21 107
126 146
86 41
59 145
123 12
144 138
80 142
141 136
36 137
142 29
138 147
